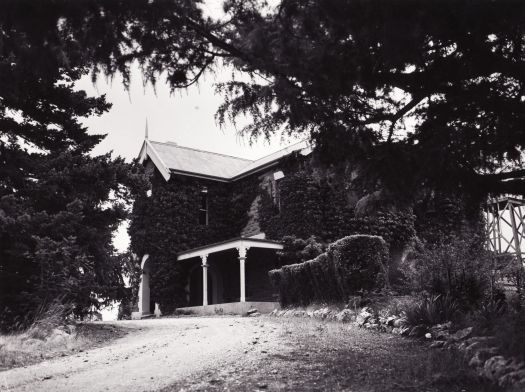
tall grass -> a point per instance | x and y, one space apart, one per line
46 336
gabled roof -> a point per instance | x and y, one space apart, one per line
172 158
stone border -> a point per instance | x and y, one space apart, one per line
480 351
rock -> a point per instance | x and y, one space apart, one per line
398 322
495 367
481 355
471 349
483 340
251 311
484 353
371 325
476 361
461 334
353 302
344 316
512 378
321 313
428 335
437 344
299 313
57 337
256 314
59 332
364 315
440 332
390 321
418 331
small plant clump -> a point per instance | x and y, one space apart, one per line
432 310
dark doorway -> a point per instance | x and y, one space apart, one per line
196 287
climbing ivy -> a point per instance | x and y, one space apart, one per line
167 223
313 206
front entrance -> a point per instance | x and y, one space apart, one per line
196 287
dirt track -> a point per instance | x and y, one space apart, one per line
154 355
247 354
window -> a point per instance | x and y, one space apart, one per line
203 208
273 190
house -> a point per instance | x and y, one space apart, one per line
213 223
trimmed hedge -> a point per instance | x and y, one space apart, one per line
358 260
351 264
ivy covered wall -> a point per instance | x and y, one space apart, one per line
167 223
323 205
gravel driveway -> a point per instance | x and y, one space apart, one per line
155 354
247 354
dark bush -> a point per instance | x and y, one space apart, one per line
460 268
302 282
323 280
297 250
352 264
510 333
329 278
125 310
358 260
276 281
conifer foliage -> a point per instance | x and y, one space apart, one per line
58 204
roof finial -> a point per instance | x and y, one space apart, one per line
146 131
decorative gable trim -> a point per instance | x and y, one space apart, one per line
146 151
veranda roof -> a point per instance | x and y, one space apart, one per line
234 243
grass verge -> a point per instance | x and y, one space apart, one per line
38 344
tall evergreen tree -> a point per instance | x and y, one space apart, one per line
59 206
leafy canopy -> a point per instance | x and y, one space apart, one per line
421 93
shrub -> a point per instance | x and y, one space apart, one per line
302 281
296 250
277 280
510 333
459 268
431 310
330 283
323 282
486 317
358 260
352 264
125 310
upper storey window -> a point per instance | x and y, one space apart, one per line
275 191
203 209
